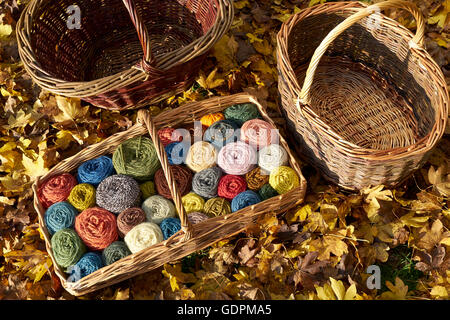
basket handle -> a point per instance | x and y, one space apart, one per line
417 40
144 117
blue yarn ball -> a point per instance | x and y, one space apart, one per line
95 171
176 152
244 199
87 264
170 226
60 215
222 132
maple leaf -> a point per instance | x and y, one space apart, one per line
397 291
439 292
71 109
373 196
431 261
209 82
440 179
427 238
411 220
336 291
329 244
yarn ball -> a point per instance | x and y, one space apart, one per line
169 227
82 196
244 199
176 152
201 155
97 228
194 130
95 170
182 177
205 182
237 158
117 193
158 208
283 179
222 132
114 252
209 119
60 215
241 113
128 219
88 263
193 202
67 247
197 217
267 192
142 236
256 179
56 189
169 135
137 158
272 157
230 186
147 189
217 207
259 133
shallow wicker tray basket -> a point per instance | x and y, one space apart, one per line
123 53
372 104
192 237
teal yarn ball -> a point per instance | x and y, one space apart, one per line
240 113
67 247
267 192
169 227
88 263
114 252
60 215
244 199
222 132
95 170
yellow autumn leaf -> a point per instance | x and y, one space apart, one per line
71 109
7 201
5 31
299 215
209 82
411 220
314 2
397 291
338 288
34 168
241 4
439 292
325 292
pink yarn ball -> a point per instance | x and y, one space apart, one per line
237 158
259 133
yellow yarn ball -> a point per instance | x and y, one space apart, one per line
283 179
82 196
215 207
209 119
192 202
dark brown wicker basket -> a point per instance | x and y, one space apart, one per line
126 54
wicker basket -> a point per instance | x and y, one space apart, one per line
373 102
192 237
116 62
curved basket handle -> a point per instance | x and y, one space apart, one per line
304 97
144 117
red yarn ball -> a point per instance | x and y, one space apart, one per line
97 227
230 186
168 135
56 189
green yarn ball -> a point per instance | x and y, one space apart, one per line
240 113
267 192
114 252
147 189
67 247
136 158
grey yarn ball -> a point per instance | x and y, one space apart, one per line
205 182
117 193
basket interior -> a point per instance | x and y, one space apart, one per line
368 87
107 42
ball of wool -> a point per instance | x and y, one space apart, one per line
137 158
201 155
241 113
283 179
128 219
88 263
244 199
197 217
60 215
169 227
237 158
56 189
142 236
176 152
222 132
217 207
205 182
67 247
117 193
147 189
183 181
209 119
97 228
193 202
230 186
267 192
256 179
95 170
168 135
258 133
195 131
82 196
158 208
272 157
114 252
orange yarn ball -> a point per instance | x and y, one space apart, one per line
209 119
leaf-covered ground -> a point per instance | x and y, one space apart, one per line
320 250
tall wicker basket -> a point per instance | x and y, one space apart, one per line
373 103
192 237
126 53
